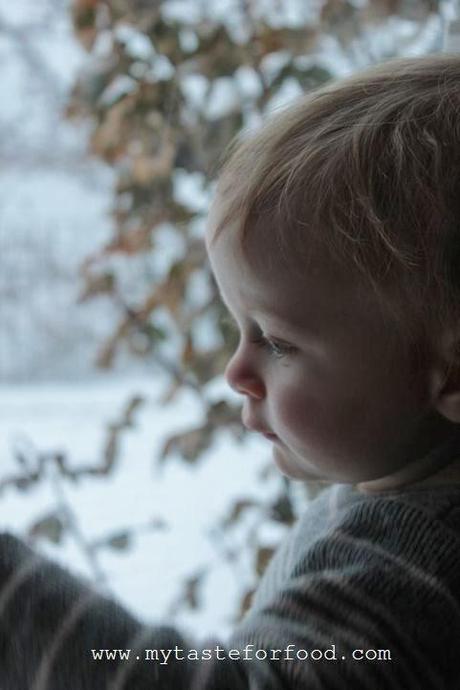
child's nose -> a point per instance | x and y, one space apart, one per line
243 378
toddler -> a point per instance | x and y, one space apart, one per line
334 238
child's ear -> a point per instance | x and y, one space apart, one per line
445 379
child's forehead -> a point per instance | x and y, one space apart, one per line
293 269
263 250
257 278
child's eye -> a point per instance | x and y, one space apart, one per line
275 348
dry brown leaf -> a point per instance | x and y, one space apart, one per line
263 558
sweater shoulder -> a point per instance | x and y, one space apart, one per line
344 530
420 527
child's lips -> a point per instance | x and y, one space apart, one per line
252 425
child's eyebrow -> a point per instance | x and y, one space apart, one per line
287 327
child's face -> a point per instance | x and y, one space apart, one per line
318 366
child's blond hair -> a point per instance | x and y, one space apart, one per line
368 168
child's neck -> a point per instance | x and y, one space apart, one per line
439 465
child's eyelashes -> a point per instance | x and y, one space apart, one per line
275 348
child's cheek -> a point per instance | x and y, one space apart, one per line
302 418
314 418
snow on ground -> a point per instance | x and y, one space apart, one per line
146 578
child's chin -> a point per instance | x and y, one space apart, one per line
289 465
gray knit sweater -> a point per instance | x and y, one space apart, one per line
365 593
